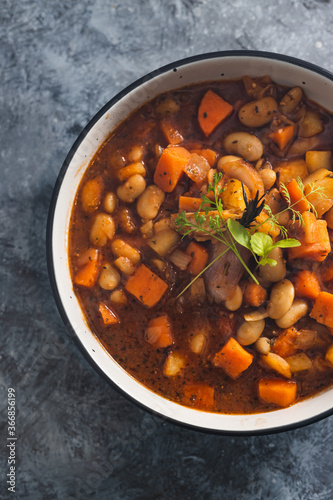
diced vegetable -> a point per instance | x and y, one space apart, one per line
170 167
212 111
322 310
306 284
314 239
199 396
279 392
158 332
282 136
299 362
146 286
199 258
291 169
233 358
208 154
232 196
318 188
164 241
172 135
254 295
89 266
285 344
179 259
189 204
311 124
318 159
197 168
297 197
174 364
109 316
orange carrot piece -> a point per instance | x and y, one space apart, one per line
199 396
170 167
285 344
208 154
279 392
158 332
322 310
282 136
89 263
189 204
306 285
109 316
172 135
314 239
254 295
212 111
199 258
233 358
296 195
146 286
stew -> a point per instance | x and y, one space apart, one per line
200 245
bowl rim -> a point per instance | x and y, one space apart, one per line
53 203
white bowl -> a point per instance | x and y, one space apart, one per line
318 85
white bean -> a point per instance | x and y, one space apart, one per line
135 153
291 99
122 249
281 299
110 202
197 343
109 277
296 312
250 331
103 229
276 363
268 177
246 145
132 188
235 300
149 202
258 113
277 272
263 345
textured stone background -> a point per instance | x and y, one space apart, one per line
60 61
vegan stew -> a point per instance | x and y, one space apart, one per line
200 246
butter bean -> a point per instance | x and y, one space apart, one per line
281 299
246 145
250 331
258 113
296 312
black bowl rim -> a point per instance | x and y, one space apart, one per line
49 229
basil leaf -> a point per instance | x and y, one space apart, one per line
261 244
239 233
287 243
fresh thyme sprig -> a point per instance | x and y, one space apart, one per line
232 232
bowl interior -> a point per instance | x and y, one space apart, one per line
318 86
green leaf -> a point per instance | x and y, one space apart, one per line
270 262
261 244
287 243
239 233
